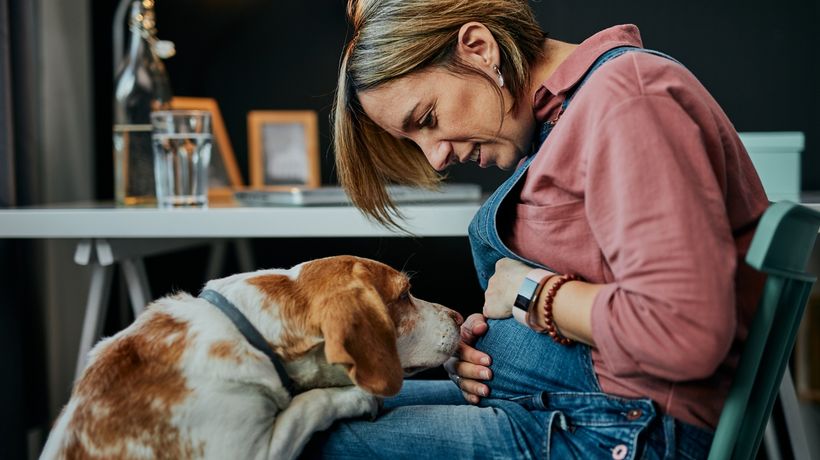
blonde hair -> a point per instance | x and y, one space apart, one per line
391 39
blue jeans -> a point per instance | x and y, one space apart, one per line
544 403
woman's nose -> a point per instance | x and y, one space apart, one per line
439 155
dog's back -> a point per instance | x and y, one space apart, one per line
166 387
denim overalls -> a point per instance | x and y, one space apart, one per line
584 422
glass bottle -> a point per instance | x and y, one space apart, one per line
141 86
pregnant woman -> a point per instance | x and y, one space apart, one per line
619 232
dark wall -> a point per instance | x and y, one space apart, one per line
759 59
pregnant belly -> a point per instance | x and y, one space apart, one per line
525 362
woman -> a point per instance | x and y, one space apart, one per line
620 232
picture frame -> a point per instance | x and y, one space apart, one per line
224 175
283 147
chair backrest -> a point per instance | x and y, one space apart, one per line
780 248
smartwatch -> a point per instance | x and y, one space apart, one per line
530 288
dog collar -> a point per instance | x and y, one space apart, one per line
251 334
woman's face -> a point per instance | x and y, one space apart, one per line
452 118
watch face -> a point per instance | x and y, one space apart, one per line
520 302
526 294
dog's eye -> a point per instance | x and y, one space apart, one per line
404 295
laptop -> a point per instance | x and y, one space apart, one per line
335 195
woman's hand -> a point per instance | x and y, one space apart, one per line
469 367
502 288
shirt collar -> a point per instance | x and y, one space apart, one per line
579 61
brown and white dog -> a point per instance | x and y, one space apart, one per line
183 382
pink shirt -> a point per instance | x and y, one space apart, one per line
645 187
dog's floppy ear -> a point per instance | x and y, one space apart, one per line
360 335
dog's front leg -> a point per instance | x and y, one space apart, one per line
313 411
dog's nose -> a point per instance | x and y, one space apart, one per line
456 316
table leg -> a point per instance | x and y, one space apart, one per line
794 425
244 254
794 419
102 255
95 308
770 442
136 280
216 258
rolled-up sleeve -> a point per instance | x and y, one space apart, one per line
656 206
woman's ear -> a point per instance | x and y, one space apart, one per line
360 335
476 45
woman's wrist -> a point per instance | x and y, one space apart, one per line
538 320
571 308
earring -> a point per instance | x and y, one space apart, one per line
500 77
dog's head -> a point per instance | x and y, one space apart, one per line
361 309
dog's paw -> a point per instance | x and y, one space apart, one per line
355 402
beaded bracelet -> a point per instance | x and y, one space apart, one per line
549 298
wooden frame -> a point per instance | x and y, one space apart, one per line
224 175
283 148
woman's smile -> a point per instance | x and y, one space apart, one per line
476 155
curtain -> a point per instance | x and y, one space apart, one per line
7 196
22 388
11 389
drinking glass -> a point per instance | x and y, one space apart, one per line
182 142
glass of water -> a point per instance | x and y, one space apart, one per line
182 142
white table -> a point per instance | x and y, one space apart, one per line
90 220
109 235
